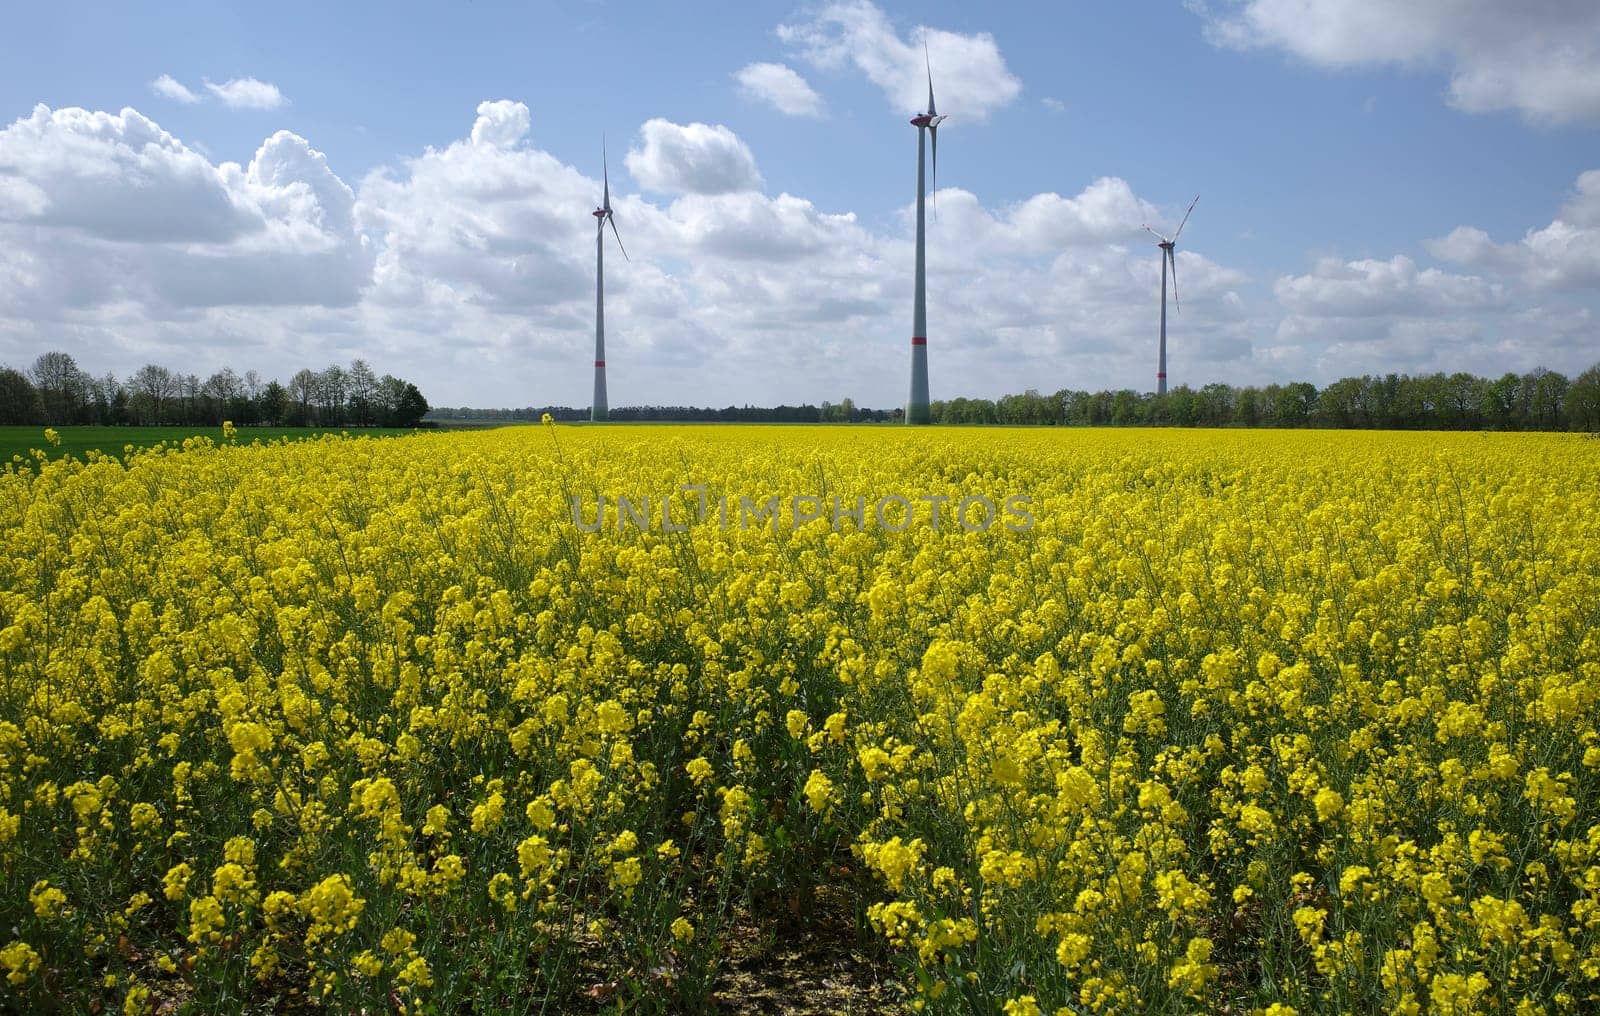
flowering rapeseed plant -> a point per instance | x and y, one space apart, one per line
1280 722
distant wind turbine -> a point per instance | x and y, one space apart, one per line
602 215
927 125
1168 255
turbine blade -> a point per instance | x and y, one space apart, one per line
928 62
933 132
1196 201
1172 256
613 220
605 174
1153 233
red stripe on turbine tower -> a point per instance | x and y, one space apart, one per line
918 340
599 363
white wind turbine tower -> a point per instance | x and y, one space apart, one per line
927 125
1168 255
602 215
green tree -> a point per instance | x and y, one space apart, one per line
1295 404
1127 406
1583 401
1247 406
273 405
61 387
1460 397
360 386
412 408
1546 390
19 400
303 388
153 390
1501 398
1343 404
1214 404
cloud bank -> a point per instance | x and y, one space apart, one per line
470 267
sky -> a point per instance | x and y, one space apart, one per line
1385 185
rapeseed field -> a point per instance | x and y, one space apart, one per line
542 719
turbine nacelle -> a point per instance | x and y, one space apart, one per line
1169 256
603 214
1166 242
930 120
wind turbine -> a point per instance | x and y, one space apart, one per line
602 215
927 125
1168 254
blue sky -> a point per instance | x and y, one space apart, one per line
1346 154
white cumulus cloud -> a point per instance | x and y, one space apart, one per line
482 226
169 87
1377 316
112 208
1396 287
693 158
115 176
1541 59
779 86
247 93
501 124
969 74
1525 304
1562 255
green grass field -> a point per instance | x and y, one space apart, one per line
79 441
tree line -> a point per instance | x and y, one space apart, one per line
56 391
1538 400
